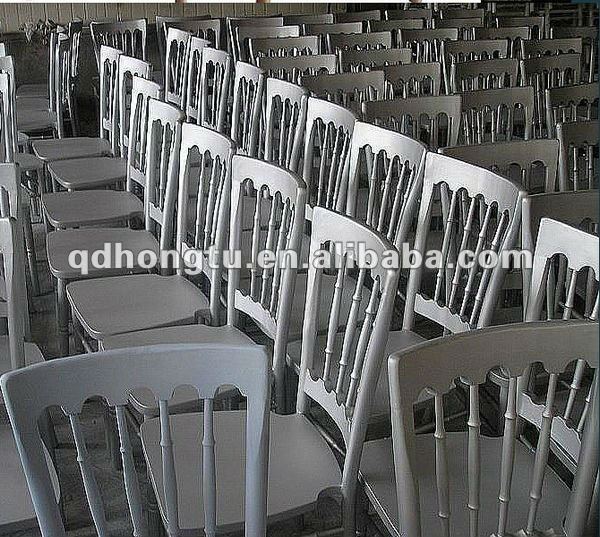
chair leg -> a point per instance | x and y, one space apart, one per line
112 438
30 249
62 317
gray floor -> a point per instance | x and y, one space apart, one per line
76 513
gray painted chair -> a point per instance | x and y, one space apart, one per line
366 60
433 120
535 48
413 80
547 72
465 483
589 36
425 14
247 111
571 103
465 25
497 114
293 68
537 24
121 304
112 375
396 26
358 16
427 44
531 163
347 89
208 84
323 30
513 35
323 150
484 74
283 46
578 156
309 18
232 24
127 36
340 380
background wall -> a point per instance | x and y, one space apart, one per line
13 16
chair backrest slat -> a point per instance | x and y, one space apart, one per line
109 95
413 80
176 65
248 92
127 36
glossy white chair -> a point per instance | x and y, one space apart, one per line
367 60
234 23
283 46
302 464
176 66
465 483
69 382
245 34
293 68
413 79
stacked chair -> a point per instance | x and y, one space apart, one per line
453 396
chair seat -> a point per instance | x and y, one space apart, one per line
90 207
91 172
68 148
32 90
28 162
397 340
60 244
185 397
377 474
34 120
301 465
121 304
17 511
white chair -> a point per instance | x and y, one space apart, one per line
293 68
578 155
121 304
176 66
245 34
100 171
65 210
570 103
283 46
208 80
266 213
302 464
112 375
127 36
465 483
285 112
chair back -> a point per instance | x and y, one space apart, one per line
426 44
8 123
396 26
484 74
109 96
347 89
202 28
578 155
571 103
466 499
531 163
589 37
535 23
323 30
481 49
176 65
204 189
309 18
512 35
208 83
392 166
326 147
283 46
480 211
358 16
366 60
507 113
426 14
535 48
232 24
113 375
246 33
128 68
162 27
246 116
271 200
413 79
286 105
465 25
127 36
433 120
163 141
368 41
293 68
452 12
